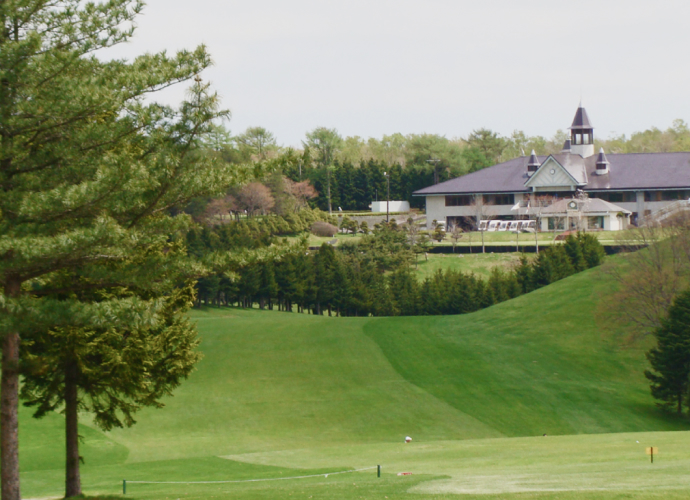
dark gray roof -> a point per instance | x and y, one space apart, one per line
581 120
533 160
636 171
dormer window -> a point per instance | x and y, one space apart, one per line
602 163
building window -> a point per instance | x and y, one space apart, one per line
556 223
673 195
499 199
595 222
666 195
459 201
616 196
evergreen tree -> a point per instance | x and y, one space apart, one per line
524 275
560 263
329 278
498 283
592 251
345 175
573 248
108 372
89 170
268 289
670 359
403 288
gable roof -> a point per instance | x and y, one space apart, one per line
632 171
573 167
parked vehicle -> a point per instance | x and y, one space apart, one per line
528 226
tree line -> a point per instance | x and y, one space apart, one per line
375 276
351 172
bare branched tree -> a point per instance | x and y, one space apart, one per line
256 197
412 230
480 211
302 192
455 234
217 209
657 269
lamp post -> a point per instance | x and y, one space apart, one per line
388 195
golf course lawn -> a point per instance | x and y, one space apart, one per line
279 395
480 264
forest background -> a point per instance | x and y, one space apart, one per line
351 172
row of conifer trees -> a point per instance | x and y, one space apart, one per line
376 277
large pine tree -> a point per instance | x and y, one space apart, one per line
89 168
108 372
670 359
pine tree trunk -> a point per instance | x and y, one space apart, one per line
9 404
72 476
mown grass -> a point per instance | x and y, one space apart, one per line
480 264
281 394
508 238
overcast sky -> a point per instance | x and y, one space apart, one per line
376 67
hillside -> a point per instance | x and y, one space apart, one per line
275 381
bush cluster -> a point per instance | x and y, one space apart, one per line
252 233
320 228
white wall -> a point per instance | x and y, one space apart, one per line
395 206
436 209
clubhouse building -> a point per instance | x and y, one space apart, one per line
576 188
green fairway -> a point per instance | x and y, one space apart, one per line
604 466
508 238
480 264
281 395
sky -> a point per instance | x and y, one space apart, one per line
369 68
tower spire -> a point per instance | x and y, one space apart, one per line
582 134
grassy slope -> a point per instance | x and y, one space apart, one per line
537 364
479 264
342 392
275 381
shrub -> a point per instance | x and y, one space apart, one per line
323 229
